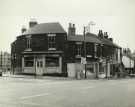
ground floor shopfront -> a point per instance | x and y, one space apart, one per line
42 63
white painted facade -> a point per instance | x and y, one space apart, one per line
128 62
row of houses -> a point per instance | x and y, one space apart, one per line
5 61
47 49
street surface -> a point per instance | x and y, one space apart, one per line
30 92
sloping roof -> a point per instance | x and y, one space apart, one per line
88 38
110 43
45 28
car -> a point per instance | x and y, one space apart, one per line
0 72
102 75
132 75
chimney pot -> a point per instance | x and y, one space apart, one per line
23 29
32 23
70 25
111 39
73 25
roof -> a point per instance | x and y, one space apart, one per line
88 38
45 28
110 43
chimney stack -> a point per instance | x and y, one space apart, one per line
32 23
23 29
105 35
100 34
71 29
73 25
111 39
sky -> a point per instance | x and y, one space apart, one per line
117 17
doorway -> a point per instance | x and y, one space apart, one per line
39 66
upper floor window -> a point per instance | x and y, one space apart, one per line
95 49
28 41
78 49
51 41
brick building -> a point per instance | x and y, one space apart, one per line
100 52
40 49
46 49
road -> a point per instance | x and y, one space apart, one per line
24 92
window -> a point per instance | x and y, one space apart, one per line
95 49
52 61
28 61
51 42
28 46
78 48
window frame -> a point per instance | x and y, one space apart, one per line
78 49
28 60
51 41
28 41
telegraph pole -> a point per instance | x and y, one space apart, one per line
84 46
1 60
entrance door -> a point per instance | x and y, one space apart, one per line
39 67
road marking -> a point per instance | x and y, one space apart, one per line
89 87
33 96
30 103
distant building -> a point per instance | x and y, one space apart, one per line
128 60
46 49
5 61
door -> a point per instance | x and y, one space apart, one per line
39 67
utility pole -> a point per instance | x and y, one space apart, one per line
84 46
1 59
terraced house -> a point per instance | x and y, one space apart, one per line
102 55
46 49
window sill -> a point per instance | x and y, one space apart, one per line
29 49
52 49
78 56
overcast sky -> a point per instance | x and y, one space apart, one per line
117 17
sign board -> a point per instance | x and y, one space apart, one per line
83 60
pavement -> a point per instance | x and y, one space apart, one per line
25 92
8 74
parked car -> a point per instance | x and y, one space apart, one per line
0 72
132 75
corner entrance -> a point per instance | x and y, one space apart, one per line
39 66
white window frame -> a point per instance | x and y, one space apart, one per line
51 42
28 43
95 50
